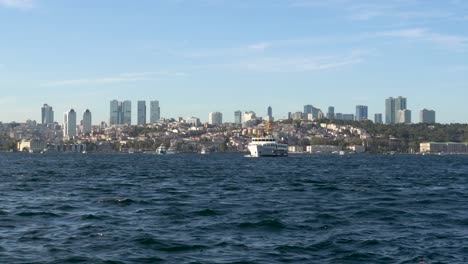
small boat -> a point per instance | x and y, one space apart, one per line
161 150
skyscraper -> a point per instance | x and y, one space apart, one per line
309 109
69 124
270 111
238 117
47 114
155 111
361 112
378 119
127 112
427 116
404 116
87 122
115 112
141 113
331 112
120 112
215 118
392 108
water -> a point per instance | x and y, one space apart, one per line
99 208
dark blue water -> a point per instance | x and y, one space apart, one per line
231 209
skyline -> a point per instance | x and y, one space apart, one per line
197 57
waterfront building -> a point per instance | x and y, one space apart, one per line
155 111
238 117
443 147
215 118
47 114
87 122
427 116
404 116
69 124
323 149
331 112
33 146
141 112
378 119
361 113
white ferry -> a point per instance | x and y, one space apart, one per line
161 150
267 146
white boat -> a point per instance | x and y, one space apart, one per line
267 147
161 150
203 151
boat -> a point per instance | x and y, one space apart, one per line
161 150
203 151
267 147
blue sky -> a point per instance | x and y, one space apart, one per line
200 56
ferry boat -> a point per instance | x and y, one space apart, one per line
267 147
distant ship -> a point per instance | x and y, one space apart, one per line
267 147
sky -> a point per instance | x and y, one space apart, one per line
201 56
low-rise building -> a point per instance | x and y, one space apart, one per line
322 149
443 147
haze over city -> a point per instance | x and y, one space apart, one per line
197 57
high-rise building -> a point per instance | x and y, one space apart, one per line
215 118
155 111
47 114
427 116
299 115
270 111
392 108
194 121
127 112
348 117
361 112
339 116
378 119
331 112
309 109
141 113
120 112
115 113
87 122
69 124
238 117
404 116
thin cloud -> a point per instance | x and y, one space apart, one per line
18 4
295 64
447 41
120 78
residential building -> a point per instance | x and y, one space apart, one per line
427 116
47 114
270 111
215 118
87 122
120 113
298 115
141 112
155 111
238 117
69 124
404 116
361 113
194 121
127 112
378 118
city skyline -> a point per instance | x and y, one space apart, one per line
290 50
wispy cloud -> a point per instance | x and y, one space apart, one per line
120 78
295 64
447 41
18 4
